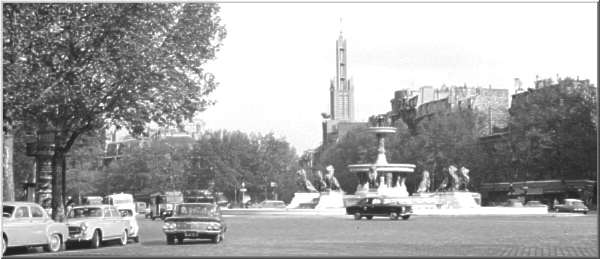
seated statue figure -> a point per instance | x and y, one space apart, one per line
303 182
425 183
331 182
372 180
455 180
320 182
464 173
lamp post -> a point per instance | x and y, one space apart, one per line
243 190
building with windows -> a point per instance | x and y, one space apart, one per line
491 104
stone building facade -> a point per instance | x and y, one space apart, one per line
492 104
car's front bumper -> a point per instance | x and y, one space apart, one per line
191 233
78 237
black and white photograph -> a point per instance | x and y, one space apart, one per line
300 129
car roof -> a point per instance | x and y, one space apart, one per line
94 206
197 203
569 199
17 203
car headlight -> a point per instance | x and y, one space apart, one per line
169 225
84 226
214 226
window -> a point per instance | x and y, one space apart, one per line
115 212
22 212
106 212
36 212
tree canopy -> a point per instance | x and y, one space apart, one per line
75 67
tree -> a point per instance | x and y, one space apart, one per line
74 68
553 132
356 147
230 158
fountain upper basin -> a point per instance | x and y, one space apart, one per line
406 168
388 130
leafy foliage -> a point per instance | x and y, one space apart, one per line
553 132
75 67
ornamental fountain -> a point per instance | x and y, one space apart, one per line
381 178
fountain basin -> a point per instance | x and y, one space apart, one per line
405 168
388 130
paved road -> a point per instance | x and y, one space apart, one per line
342 236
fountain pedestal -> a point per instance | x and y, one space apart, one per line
304 200
331 200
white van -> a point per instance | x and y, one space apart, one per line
122 201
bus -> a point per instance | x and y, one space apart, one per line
122 201
162 203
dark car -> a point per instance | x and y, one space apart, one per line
369 207
571 205
195 221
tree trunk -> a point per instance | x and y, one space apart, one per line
8 183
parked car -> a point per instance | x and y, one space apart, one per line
536 204
28 224
571 205
195 221
516 203
134 227
369 207
96 224
271 204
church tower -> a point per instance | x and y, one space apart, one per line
341 89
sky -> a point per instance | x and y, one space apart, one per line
277 60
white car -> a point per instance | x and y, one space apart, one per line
134 230
96 224
27 224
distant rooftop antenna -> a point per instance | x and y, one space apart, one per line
341 29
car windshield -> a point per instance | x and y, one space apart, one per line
198 210
87 212
126 213
7 211
575 203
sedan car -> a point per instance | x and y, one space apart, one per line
369 207
97 223
536 204
195 221
571 205
27 224
133 224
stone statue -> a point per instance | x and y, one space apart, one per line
331 183
425 182
449 184
464 183
455 180
320 182
372 181
304 183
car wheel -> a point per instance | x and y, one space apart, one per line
136 239
170 239
4 244
357 216
54 245
556 210
124 237
180 239
393 215
369 217
95 243
405 217
222 236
